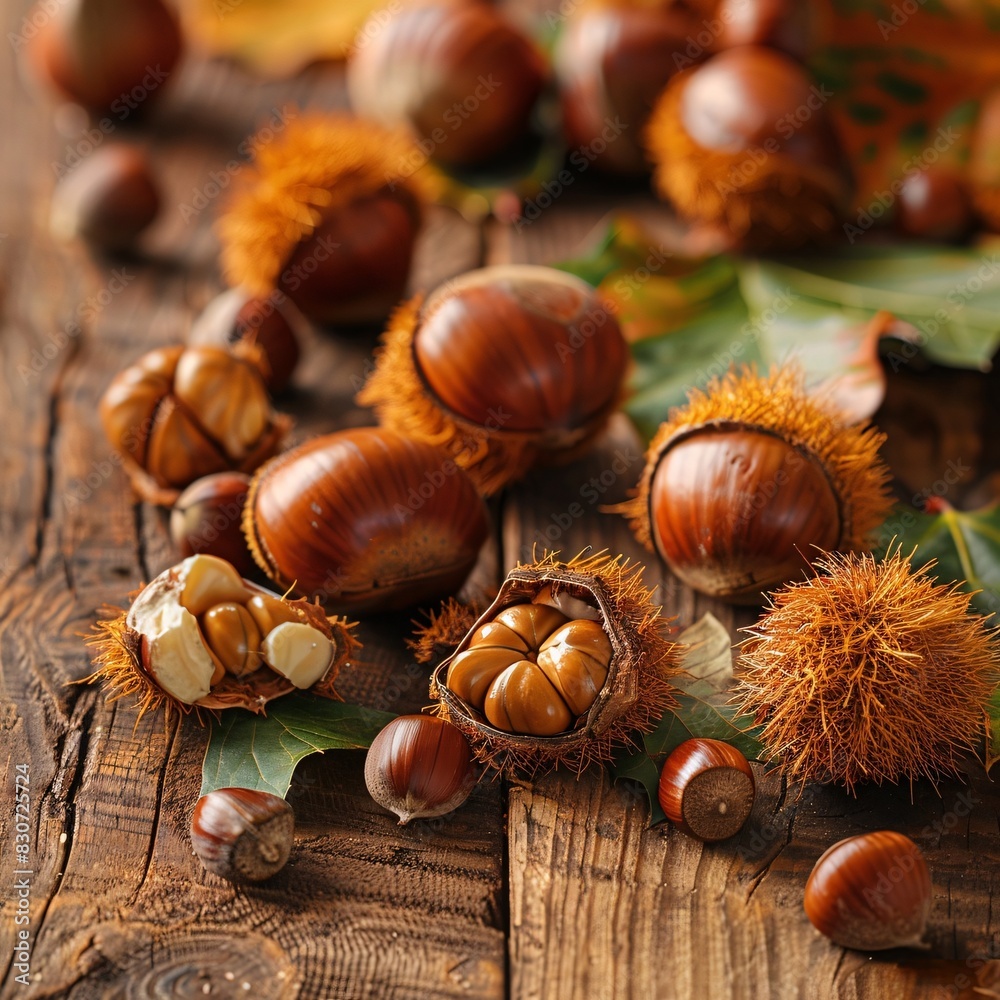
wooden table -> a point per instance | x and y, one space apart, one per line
552 888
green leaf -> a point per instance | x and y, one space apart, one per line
261 752
965 544
703 710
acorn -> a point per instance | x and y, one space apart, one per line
611 63
419 766
200 636
868 671
457 74
106 55
505 366
743 483
744 143
934 204
326 215
570 660
871 892
365 520
269 324
706 789
179 413
208 518
242 834
108 200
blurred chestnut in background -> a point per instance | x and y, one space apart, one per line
504 366
611 63
178 414
108 200
236 317
365 520
744 143
106 55
780 24
327 216
984 164
934 205
463 79
208 516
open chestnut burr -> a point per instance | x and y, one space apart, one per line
504 366
365 520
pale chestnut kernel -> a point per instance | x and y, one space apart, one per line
209 580
299 652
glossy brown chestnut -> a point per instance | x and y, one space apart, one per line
611 63
419 766
780 24
208 517
707 789
934 205
463 79
871 892
178 414
242 834
505 365
355 266
745 142
735 510
268 324
108 200
365 520
106 55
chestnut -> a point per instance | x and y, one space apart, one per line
611 63
106 55
208 517
365 520
108 200
506 366
419 766
745 143
871 892
745 484
236 316
984 162
327 218
463 79
934 204
178 414
707 789
200 636
242 834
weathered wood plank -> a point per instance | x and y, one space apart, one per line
119 905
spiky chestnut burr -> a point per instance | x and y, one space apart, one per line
327 215
199 636
597 589
869 672
745 480
744 143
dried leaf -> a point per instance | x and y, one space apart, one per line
253 751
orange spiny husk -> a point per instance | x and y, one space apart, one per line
782 203
777 403
119 667
319 163
869 672
635 694
444 629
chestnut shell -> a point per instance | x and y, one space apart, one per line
365 520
